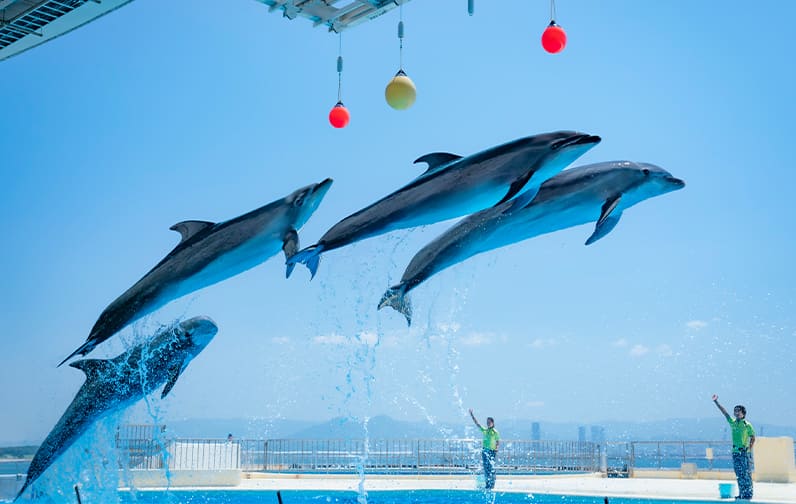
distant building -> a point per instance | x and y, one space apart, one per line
582 434
597 434
536 432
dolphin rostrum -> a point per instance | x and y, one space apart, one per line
117 383
598 192
453 186
209 253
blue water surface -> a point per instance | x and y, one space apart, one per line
372 497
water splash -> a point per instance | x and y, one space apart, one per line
91 463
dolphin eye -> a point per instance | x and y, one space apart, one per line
299 201
646 172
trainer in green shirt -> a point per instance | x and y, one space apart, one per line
490 445
491 437
743 434
743 440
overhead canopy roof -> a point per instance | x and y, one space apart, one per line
337 15
28 23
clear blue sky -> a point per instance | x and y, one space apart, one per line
167 111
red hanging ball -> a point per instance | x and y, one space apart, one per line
554 39
339 116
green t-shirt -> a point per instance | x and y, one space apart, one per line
491 438
742 430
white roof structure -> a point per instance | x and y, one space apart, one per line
337 15
27 23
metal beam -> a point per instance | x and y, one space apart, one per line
19 29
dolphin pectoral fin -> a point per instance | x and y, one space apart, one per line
396 298
437 160
608 207
190 227
310 257
93 367
174 373
609 216
517 186
290 245
603 227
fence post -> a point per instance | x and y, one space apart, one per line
602 450
418 457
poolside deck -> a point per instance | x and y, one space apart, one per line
680 489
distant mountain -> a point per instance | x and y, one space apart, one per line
384 427
240 428
378 427
678 429
687 429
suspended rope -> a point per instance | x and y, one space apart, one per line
340 69
401 38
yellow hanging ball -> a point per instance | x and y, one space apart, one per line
400 92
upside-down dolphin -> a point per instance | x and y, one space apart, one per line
209 253
453 186
117 383
597 192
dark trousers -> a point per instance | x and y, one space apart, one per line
740 462
488 457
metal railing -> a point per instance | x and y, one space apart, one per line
423 456
624 457
409 456
183 454
378 456
706 455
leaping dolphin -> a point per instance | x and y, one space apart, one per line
453 186
117 383
597 192
209 253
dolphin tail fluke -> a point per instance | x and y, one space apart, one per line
82 350
396 298
310 257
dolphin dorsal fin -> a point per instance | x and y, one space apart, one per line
190 227
437 160
174 373
92 367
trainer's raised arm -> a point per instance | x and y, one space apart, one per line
474 419
721 408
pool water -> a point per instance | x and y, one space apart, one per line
372 497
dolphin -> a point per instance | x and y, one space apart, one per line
598 192
117 383
453 186
209 253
